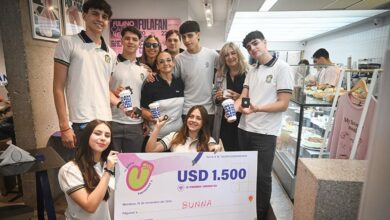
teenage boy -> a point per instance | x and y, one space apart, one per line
83 64
173 42
328 74
196 67
127 126
269 87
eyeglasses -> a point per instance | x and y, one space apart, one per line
151 45
162 61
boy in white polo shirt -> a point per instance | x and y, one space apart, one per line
196 67
269 87
83 64
127 127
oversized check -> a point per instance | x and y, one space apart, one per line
186 186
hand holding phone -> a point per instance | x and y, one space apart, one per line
245 102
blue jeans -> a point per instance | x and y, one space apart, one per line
265 146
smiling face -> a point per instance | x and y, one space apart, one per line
231 58
130 42
164 63
96 20
173 43
100 139
194 121
152 48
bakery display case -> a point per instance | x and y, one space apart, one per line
304 125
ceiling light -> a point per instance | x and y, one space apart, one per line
294 25
267 5
208 12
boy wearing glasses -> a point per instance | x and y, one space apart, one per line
196 67
82 67
268 87
127 126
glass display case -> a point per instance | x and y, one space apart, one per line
303 128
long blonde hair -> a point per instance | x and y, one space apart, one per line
243 66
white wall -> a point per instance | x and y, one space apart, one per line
362 41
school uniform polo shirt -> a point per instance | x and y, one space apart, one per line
170 98
89 70
71 180
189 146
132 74
264 83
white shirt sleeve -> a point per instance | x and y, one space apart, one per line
70 178
167 140
63 50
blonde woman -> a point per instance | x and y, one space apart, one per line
230 78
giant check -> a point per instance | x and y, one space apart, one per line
186 186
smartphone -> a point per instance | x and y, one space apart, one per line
245 102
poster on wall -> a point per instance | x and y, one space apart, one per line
208 186
73 12
147 26
45 19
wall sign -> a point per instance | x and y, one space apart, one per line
157 27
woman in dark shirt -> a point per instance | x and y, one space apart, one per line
229 80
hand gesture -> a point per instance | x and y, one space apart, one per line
160 122
112 159
68 138
215 148
249 110
118 90
151 75
219 95
233 95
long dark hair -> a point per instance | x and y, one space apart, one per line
84 157
204 132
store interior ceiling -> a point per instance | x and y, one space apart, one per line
289 20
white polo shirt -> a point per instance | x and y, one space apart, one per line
197 73
329 75
264 84
71 180
189 146
132 74
89 70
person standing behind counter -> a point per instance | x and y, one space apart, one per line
168 91
230 78
88 180
83 64
269 87
328 75
128 131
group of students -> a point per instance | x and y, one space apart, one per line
189 86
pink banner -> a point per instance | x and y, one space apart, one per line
147 26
